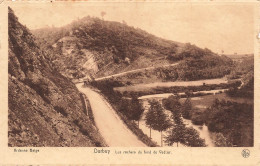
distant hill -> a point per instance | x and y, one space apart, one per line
91 46
238 56
44 107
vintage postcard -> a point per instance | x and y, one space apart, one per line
129 82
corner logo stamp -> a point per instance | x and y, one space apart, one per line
245 153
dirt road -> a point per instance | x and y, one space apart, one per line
110 126
133 71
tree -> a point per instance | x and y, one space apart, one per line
131 108
123 21
124 107
187 136
176 135
136 109
186 109
172 103
180 133
191 138
156 118
103 14
149 118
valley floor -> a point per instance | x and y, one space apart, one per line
111 127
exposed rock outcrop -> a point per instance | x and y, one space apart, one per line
45 108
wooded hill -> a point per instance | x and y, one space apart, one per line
91 45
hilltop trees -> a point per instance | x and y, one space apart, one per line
156 119
103 14
189 51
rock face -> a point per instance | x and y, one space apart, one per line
45 108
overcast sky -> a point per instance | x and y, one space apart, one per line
228 27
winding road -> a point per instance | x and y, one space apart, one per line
134 71
111 127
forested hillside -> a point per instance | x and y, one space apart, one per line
108 46
100 48
44 107
243 70
234 120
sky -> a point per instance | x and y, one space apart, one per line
217 26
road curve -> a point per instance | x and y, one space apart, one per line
110 126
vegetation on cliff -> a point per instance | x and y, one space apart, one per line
45 108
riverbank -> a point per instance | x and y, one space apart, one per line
193 88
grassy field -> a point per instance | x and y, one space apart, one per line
204 102
154 85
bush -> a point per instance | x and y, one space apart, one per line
221 141
197 117
61 110
41 88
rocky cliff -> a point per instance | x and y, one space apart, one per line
45 108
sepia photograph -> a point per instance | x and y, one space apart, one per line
131 75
